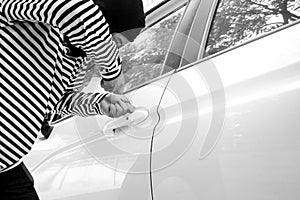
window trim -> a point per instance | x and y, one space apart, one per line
198 29
179 44
208 26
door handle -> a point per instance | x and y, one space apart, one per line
131 119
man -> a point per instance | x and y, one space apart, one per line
35 77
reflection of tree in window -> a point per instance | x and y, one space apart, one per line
240 20
143 59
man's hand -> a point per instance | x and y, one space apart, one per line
116 85
114 105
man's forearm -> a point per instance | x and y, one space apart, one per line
80 103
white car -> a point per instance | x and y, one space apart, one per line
216 84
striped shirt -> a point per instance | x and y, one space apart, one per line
36 71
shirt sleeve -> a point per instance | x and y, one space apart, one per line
80 20
80 104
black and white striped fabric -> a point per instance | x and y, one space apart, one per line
36 72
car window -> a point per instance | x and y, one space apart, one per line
143 59
236 22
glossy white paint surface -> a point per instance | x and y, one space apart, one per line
246 146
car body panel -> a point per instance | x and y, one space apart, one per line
238 139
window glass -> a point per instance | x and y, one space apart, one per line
143 58
237 21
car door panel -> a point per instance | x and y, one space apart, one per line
238 139
98 165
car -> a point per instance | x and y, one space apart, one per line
216 86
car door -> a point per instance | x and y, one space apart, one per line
109 158
229 122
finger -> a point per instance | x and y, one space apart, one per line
125 99
119 110
131 108
124 106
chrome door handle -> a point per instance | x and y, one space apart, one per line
131 119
